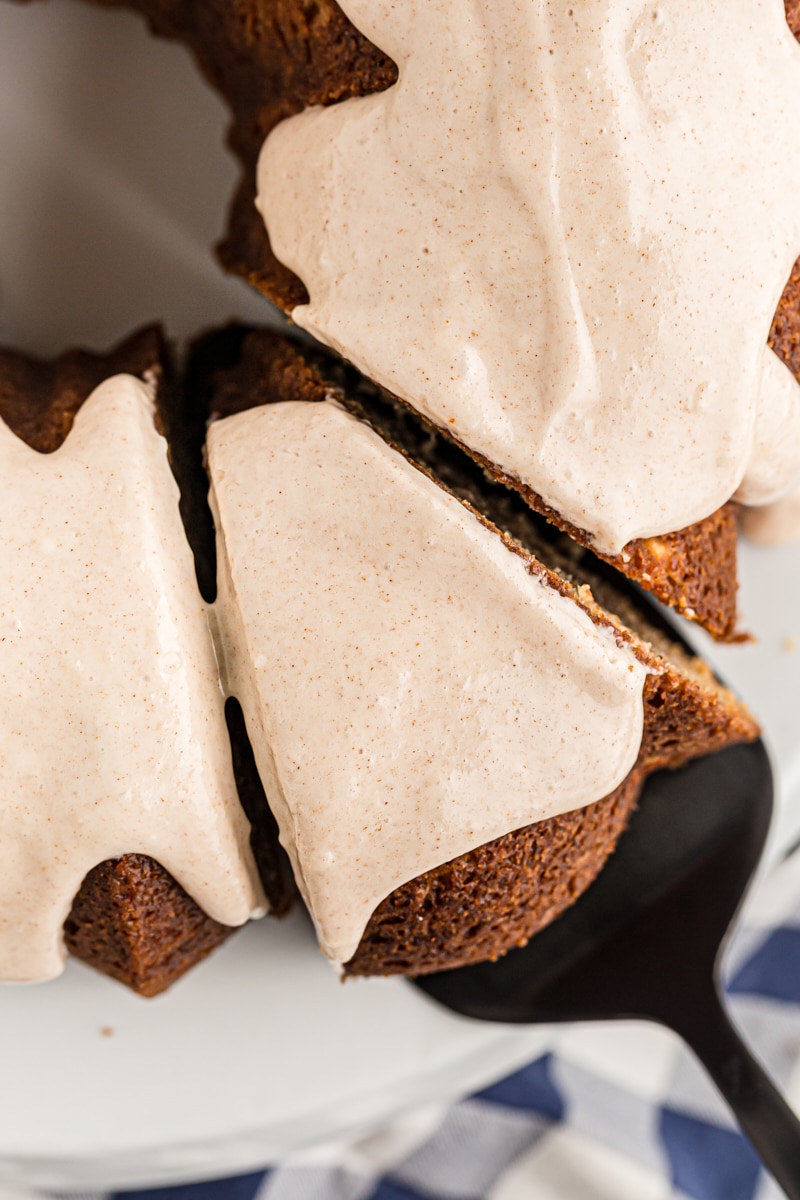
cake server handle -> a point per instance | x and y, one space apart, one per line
762 1113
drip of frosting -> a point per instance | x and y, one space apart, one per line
774 467
562 235
412 690
113 737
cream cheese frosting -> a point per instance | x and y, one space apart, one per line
412 690
113 737
562 235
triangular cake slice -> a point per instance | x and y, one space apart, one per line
452 729
117 777
274 58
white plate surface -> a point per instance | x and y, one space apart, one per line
113 184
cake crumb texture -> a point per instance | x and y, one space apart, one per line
132 921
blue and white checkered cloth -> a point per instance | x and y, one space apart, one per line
611 1112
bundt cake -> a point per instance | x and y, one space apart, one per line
393 251
122 837
451 730
452 706
453 723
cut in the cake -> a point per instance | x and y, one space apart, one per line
103 757
271 59
435 682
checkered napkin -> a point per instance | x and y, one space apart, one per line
611 1112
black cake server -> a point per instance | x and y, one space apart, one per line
645 940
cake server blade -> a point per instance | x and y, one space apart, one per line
645 940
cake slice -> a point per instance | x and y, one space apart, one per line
123 840
452 715
274 58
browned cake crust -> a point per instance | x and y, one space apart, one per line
130 919
485 902
39 399
272 58
784 336
496 897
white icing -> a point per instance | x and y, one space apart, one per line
562 235
412 691
774 467
113 737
